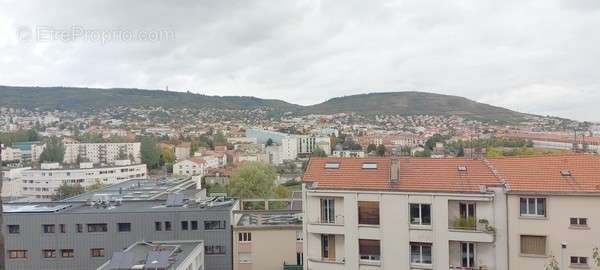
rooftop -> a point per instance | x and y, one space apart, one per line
137 189
269 218
541 174
154 255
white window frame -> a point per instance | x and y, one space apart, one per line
246 237
420 214
536 214
420 245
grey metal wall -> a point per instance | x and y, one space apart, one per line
32 238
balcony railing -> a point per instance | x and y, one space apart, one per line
338 220
329 260
463 223
483 267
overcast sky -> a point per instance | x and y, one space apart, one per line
533 56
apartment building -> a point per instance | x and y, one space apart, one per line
183 151
44 182
102 153
551 209
411 213
81 235
268 240
190 167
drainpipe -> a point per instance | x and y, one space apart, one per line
507 231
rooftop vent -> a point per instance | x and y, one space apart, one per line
394 170
565 173
461 168
369 165
332 165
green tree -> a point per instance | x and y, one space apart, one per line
318 152
253 180
371 148
150 152
167 156
219 138
269 142
67 191
436 138
54 151
381 150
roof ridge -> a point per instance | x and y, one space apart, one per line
496 173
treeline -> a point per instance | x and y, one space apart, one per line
8 138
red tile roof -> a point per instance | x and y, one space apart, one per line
543 174
521 174
416 174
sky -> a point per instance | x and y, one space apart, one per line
534 56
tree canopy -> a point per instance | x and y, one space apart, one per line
66 191
150 152
253 180
54 151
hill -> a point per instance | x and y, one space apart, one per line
414 103
402 103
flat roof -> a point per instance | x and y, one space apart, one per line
137 189
158 254
269 218
106 207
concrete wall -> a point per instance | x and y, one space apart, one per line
270 248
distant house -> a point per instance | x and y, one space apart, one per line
217 176
183 150
190 167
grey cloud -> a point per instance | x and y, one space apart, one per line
308 51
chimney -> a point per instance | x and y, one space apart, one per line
394 170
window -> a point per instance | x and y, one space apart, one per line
194 224
420 214
49 228
158 226
533 207
245 237
578 222
124 227
368 213
67 253
327 211
299 236
532 244
420 253
12 229
328 246
49 253
214 225
579 261
468 254
245 257
79 228
97 227
184 225
63 228
167 225
17 254
369 249
214 250
299 258
97 252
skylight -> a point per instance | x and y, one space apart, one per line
369 165
462 168
332 165
565 173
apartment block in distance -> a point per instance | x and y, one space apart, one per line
421 213
268 240
102 153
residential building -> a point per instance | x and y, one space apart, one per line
267 240
183 151
190 167
165 255
450 213
10 154
102 153
44 182
348 153
382 213
30 151
551 202
82 234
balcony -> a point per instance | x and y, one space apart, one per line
470 229
325 263
323 226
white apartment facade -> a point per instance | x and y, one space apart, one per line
190 167
397 225
44 182
102 153
503 213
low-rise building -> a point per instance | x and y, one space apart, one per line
190 167
183 151
267 240
164 255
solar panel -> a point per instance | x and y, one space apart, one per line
157 260
120 260
175 199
